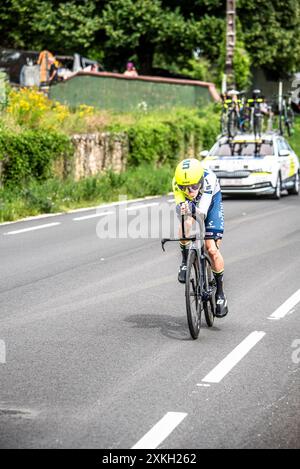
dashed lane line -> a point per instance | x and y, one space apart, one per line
286 307
160 431
136 207
94 215
32 228
234 357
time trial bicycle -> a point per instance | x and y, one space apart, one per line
200 285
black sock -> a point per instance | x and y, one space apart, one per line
184 252
219 281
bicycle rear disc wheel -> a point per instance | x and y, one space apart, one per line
192 294
209 306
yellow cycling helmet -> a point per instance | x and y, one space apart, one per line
189 172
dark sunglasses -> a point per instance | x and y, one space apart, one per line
193 187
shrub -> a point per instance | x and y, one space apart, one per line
31 154
164 138
28 106
31 109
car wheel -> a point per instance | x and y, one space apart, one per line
277 191
295 189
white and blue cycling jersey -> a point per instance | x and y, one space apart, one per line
208 201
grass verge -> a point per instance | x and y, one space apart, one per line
54 195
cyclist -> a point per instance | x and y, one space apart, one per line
197 195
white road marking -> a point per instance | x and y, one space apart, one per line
32 228
286 307
142 206
221 370
160 431
94 215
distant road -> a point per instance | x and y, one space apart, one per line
94 345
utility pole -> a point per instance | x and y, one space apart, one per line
230 41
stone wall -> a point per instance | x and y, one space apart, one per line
95 153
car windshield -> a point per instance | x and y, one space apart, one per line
243 149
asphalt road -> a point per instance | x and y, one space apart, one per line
95 350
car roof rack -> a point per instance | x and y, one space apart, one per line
240 141
233 141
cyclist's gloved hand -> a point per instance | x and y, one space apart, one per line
182 208
186 208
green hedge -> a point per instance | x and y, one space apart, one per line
166 138
31 155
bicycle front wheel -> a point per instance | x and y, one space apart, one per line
291 116
257 125
288 127
232 124
193 294
281 126
223 123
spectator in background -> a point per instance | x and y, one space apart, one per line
94 68
130 70
53 75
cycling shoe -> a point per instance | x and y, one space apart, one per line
182 273
221 306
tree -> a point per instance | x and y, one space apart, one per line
151 30
114 29
271 30
141 28
64 27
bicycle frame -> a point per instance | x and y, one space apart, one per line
204 292
197 244
201 256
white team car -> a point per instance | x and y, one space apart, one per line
249 165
